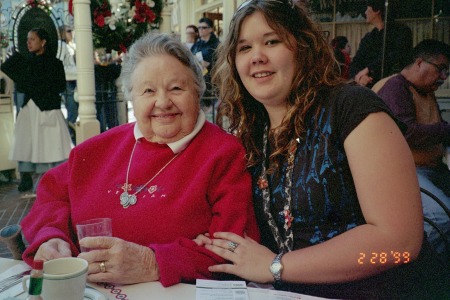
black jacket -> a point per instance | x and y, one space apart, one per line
40 77
370 51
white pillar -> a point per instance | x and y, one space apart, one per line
88 126
229 7
166 24
187 16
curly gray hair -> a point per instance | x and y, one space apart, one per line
153 44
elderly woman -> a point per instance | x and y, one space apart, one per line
163 180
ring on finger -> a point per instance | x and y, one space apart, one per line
232 246
102 267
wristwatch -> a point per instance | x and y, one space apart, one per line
276 267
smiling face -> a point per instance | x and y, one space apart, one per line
264 63
35 44
165 101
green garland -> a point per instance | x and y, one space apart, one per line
119 32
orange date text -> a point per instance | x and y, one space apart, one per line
377 258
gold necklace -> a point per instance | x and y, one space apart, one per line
126 199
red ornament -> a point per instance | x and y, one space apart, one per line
143 13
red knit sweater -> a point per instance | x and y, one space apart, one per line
205 189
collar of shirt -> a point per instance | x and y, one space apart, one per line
181 144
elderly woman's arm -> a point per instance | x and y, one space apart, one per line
46 226
229 197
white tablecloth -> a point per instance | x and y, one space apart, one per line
148 290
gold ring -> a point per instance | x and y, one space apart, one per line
232 246
102 267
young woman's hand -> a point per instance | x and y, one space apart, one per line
249 259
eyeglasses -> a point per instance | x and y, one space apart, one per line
69 30
203 27
442 70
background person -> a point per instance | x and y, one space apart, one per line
68 48
41 139
410 96
192 35
206 46
157 179
342 52
334 182
367 63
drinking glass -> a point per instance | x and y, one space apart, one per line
93 227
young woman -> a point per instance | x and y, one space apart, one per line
334 184
42 140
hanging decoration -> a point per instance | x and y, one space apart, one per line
42 4
117 29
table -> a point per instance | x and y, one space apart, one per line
153 290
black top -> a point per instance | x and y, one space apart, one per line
208 49
324 200
40 77
370 51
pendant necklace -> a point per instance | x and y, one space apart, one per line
127 199
286 244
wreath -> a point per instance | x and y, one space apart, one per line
115 30
118 30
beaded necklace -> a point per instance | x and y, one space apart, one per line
285 245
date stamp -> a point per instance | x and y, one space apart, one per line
382 258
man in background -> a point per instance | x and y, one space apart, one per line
410 96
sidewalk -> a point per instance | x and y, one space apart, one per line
13 208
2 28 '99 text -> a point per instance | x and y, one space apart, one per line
384 257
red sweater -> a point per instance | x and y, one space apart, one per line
205 189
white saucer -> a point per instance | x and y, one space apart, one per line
91 293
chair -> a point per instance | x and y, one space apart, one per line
439 230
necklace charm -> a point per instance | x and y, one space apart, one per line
127 199
262 183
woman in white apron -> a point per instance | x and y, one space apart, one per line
42 140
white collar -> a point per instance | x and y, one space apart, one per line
182 144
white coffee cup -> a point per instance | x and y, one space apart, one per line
64 278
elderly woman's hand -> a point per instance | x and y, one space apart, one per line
119 261
250 259
53 248
203 239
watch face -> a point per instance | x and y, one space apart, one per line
275 267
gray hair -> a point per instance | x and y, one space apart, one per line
153 44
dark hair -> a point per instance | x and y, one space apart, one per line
379 5
315 75
339 42
195 29
43 35
207 21
429 48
